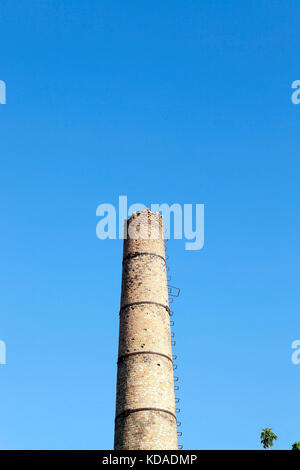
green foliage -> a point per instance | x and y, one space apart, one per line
267 438
296 445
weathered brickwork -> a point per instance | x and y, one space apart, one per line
146 430
145 405
145 328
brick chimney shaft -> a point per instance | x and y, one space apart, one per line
145 404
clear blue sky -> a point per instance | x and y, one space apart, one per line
162 101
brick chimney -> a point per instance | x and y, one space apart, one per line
145 404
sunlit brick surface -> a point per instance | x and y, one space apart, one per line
145 405
145 381
146 430
145 328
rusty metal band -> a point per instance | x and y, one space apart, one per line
128 412
145 302
124 356
147 253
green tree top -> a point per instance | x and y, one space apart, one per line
267 438
296 445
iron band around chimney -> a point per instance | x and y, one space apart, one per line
128 412
147 253
124 356
145 302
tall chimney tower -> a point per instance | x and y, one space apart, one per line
145 405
